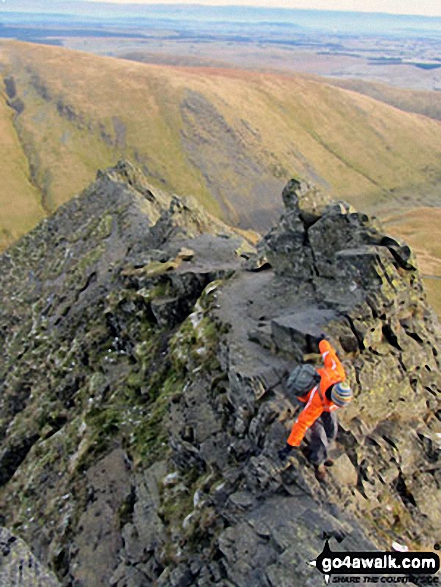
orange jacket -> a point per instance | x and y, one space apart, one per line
316 400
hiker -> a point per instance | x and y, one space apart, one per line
319 412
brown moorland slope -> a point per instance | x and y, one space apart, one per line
418 101
230 138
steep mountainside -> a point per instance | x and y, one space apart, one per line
142 404
230 138
20 200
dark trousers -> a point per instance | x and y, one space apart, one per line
321 434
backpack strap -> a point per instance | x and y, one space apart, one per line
320 393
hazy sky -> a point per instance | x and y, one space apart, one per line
424 7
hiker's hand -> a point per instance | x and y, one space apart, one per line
285 452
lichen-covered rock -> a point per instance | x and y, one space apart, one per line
146 348
19 567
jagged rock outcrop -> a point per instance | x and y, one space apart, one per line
142 403
18 566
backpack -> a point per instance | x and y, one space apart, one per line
301 380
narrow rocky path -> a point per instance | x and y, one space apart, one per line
245 305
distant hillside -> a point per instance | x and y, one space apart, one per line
418 102
20 200
422 227
195 129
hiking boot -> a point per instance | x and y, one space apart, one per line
329 463
320 473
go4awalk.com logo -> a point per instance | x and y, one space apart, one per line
413 568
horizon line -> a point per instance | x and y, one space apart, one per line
190 4
207 4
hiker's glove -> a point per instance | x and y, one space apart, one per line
285 452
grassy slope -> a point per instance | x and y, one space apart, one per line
231 138
73 104
19 201
422 228
419 102
112 108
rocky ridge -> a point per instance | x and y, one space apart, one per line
142 401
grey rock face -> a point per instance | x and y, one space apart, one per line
146 348
19 567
